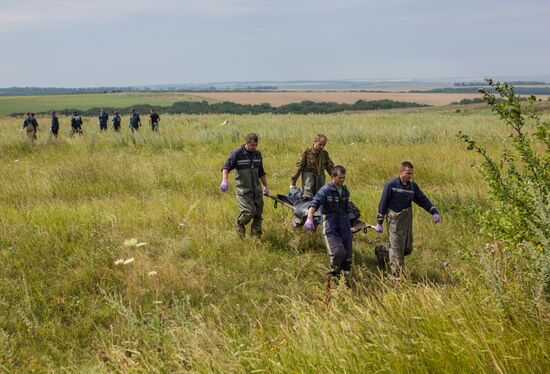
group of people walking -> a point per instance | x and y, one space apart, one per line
30 124
333 199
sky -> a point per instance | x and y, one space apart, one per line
76 43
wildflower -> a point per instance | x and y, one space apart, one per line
131 242
128 261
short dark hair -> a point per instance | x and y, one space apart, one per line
338 169
318 137
407 164
251 137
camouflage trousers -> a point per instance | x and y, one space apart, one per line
400 237
311 183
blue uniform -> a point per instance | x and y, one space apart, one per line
336 227
135 122
116 122
55 126
398 197
249 168
103 119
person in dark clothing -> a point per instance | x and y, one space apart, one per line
135 121
116 122
154 120
76 124
247 162
396 204
30 125
333 199
103 119
54 130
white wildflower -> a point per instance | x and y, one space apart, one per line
131 242
128 261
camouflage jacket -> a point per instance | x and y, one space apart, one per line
313 162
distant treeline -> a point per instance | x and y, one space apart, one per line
227 107
41 91
513 83
464 90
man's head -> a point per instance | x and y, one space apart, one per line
28 114
153 110
116 113
251 142
53 113
133 110
319 142
74 113
406 172
32 114
102 110
338 175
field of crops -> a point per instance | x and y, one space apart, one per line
41 104
196 298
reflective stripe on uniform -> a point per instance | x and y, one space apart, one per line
327 242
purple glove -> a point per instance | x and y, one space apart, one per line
309 226
224 185
379 228
266 191
436 218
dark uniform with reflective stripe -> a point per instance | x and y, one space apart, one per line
396 204
155 118
76 125
336 227
249 169
135 122
103 119
55 125
116 122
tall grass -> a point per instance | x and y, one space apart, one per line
196 298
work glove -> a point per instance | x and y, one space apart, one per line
309 225
379 228
224 185
266 191
436 218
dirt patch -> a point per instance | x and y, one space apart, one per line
281 98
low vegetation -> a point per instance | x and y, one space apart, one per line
118 253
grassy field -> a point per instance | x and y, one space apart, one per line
198 299
41 104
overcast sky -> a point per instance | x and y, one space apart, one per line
135 42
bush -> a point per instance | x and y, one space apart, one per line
519 184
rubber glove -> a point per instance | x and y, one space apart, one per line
379 228
266 190
436 218
224 185
309 225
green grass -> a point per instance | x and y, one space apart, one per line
221 304
41 104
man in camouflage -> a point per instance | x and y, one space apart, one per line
247 162
313 163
